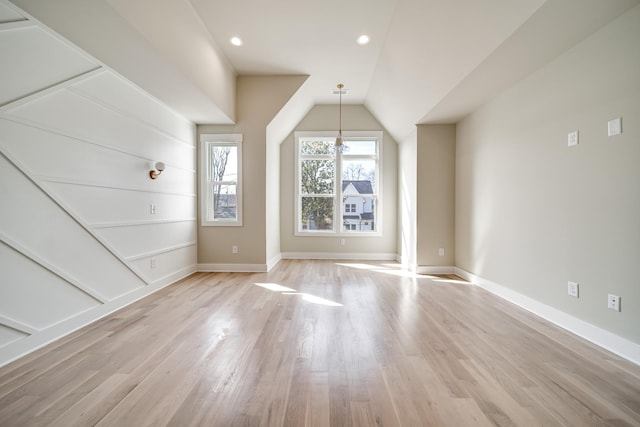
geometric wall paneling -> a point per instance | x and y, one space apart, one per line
34 221
107 206
9 335
133 242
52 156
123 96
166 264
77 236
33 59
33 296
9 14
68 113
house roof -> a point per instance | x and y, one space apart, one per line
362 187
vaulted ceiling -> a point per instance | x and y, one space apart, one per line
428 61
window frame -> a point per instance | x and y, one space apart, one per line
338 198
207 140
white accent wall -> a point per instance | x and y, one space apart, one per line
78 238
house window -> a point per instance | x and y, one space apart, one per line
338 193
221 179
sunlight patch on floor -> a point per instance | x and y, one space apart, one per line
386 268
400 273
305 296
359 266
275 287
314 299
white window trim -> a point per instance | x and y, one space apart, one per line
205 141
338 229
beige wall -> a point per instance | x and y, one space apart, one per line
354 118
435 188
532 213
259 98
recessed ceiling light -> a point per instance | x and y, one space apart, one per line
236 41
363 39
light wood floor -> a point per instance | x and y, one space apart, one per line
348 344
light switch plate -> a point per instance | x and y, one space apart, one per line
614 127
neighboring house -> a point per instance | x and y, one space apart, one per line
226 206
358 206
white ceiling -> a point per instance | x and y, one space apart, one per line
428 60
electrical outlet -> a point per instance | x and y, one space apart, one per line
572 289
152 209
613 302
234 249
572 138
342 242
153 263
441 252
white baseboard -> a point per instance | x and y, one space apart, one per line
603 338
435 269
39 339
233 268
274 261
340 256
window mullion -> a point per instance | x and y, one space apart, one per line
338 190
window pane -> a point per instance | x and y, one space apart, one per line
317 176
224 163
360 148
317 213
359 176
224 202
311 147
359 213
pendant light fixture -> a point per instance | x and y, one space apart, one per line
340 146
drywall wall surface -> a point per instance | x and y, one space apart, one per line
259 99
436 195
533 213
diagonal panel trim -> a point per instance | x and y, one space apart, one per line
13 103
51 268
23 170
18 326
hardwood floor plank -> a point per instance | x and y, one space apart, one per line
317 408
320 343
92 407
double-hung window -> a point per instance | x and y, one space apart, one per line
338 193
221 179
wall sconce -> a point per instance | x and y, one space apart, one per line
154 173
